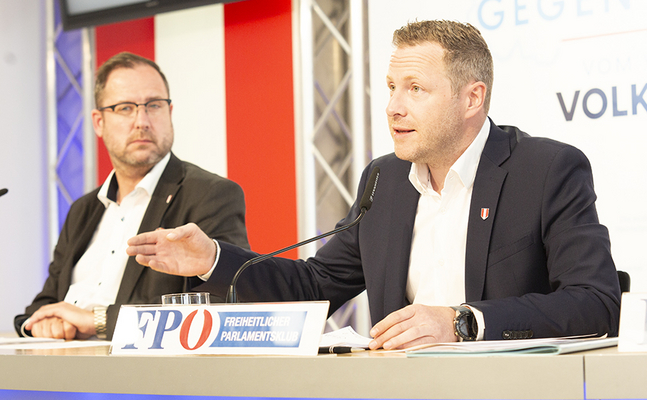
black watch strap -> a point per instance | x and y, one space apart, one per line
465 325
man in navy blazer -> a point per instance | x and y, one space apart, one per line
475 232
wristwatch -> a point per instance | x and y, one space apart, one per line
465 325
100 320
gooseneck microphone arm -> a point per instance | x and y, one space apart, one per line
231 294
365 205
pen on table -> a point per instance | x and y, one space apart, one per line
340 349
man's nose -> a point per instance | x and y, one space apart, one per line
141 116
396 105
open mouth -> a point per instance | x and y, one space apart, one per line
402 131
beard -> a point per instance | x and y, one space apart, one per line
438 145
139 155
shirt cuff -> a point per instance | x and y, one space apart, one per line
205 277
480 321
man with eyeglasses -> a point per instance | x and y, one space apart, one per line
91 275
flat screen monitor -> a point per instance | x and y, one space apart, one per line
84 13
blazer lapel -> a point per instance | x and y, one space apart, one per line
485 198
385 238
163 196
405 205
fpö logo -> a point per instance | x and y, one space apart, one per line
596 102
198 329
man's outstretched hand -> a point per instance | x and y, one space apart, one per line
184 251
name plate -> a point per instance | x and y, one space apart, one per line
250 329
633 322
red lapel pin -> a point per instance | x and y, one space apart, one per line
485 212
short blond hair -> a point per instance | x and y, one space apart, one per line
467 57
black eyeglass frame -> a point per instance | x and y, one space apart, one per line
112 107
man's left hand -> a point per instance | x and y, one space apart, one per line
414 325
82 319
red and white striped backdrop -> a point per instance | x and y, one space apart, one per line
230 73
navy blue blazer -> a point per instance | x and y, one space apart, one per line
540 264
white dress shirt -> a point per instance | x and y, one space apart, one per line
97 275
437 263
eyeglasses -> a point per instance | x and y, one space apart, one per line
129 109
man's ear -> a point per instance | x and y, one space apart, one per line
97 122
475 98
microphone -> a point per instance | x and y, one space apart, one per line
364 205
3 192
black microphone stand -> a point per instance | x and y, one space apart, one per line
231 293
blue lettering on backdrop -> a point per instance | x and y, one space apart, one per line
581 11
585 103
518 7
636 100
568 114
549 17
499 14
614 96
493 13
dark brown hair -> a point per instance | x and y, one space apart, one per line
121 60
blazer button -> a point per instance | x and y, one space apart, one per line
506 335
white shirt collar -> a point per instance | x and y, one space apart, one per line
465 167
109 188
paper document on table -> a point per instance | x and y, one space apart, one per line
344 337
47 343
6 341
523 346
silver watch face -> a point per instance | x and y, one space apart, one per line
461 326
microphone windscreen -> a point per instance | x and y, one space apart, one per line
3 191
369 190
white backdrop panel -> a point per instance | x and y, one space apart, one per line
24 249
591 53
190 49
